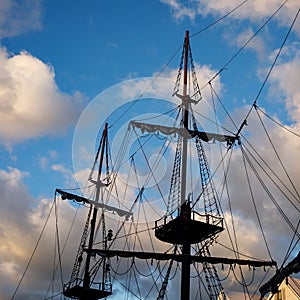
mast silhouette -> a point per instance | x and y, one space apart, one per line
99 184
83 289
185 205
187 228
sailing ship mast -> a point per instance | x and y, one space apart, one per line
185 205
187 228
83 289
99 184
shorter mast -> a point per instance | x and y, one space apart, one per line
85 288
99 184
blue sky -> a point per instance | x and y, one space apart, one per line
57 56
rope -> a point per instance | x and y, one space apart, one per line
54 296
277 55
55 266
213 122
141 247
163 289
273 173
63 249
220 19
128 234
271 196
239 253
58 243
245 285
272 66
173 110
137 283
200 283
149 229
276 122
245 44
122 273
234 243
151 171
127 289
212 175
148 87
263 279
33 252
174 192
254 204
213 92
174 54
280 161
149 274
290 248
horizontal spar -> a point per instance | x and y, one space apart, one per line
188 133
180 257
70 196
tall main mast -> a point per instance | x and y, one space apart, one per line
189 227
186 106
185 206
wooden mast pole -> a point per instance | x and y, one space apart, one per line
87 277
185 206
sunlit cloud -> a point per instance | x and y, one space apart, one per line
250 10
284 90
22 219
179 10
31 103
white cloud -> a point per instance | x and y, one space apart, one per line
252 10
179 10
287 147
285 82
257 44
47 158
31 103
66 173
17 17
13 177
22 219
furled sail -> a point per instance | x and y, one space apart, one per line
187 133
180 258
70 196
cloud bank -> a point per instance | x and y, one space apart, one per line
31 104
251 10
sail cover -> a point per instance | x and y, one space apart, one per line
204 136
180 258
70 196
